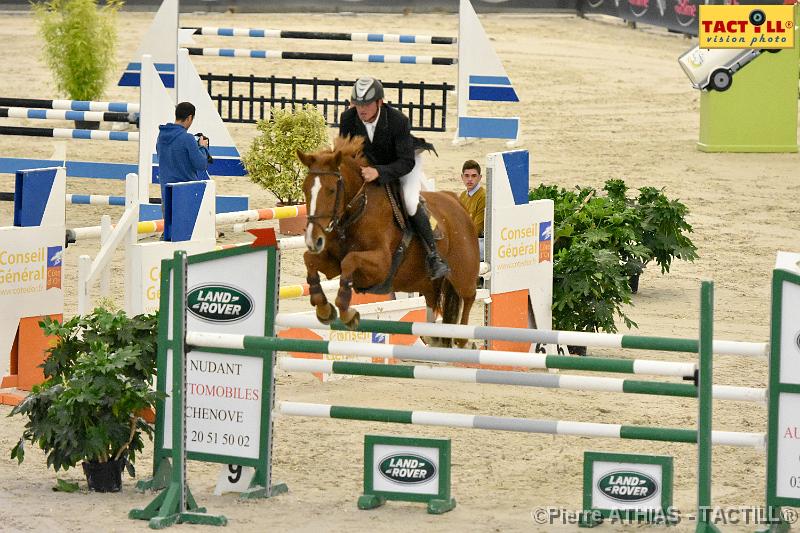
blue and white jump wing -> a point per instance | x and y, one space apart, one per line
161 43
481 77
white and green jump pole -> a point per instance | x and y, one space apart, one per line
262 348
703 436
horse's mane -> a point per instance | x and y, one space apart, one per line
352 147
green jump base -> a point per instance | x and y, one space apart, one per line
257 492
441 506
160 480
750 148
163 511
435 506
370 501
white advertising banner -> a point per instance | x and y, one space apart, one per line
223 404
788 437
790 333
31 273
223 392
144 267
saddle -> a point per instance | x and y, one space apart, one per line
400 218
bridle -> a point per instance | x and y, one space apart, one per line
338 221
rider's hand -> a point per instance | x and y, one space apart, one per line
203 142
369 173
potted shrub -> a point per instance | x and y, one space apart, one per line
98 379
80 38
658 225
664 228
271 161
590 289
602 243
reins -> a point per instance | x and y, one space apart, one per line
339 222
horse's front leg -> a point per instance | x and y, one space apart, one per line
372 265
315 263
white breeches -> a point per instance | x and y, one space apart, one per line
412 184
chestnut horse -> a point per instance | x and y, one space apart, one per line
352 233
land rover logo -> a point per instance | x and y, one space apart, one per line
797 340
407 468
219 303
627 486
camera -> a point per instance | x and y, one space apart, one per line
200 137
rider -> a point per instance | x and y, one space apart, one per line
389 147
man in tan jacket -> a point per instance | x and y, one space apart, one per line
474 197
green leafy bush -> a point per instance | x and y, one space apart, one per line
271 161
600 241
589 289
80 40
98 380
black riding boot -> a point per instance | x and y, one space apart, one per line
437 267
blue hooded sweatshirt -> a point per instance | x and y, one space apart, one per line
179 156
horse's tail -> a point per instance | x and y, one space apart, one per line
448 303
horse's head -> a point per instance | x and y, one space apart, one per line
332 181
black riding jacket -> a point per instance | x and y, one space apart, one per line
391 150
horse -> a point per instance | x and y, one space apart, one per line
352 232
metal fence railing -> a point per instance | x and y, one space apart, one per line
247 99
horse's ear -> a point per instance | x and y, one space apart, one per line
306 159
337 159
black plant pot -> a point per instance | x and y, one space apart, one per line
577 350
633 281
104 477
87 125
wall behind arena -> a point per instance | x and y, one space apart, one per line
336 6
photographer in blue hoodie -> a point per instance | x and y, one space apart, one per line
181 155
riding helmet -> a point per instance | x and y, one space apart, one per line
366 91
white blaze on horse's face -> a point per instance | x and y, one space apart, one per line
312 211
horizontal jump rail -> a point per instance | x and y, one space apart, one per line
323 56
60 114
222 219
522 425
572 338
447 355
68 133
72 105
75 169
525 379
85 199
322 35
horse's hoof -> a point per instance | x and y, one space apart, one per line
351 318
463 344
436 342
331 316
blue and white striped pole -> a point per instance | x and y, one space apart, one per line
323 56
321 35
60 114
69 133
70 105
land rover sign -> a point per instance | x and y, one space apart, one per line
624 484
627 486
219 303
407 468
